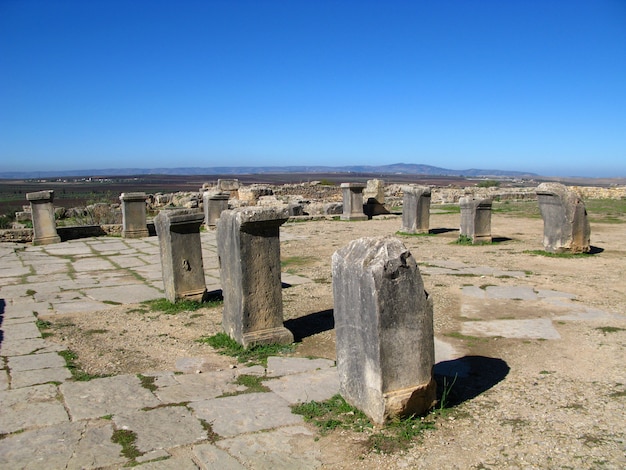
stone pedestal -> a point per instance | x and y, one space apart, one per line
181 253
214 204
415 209
565 224
476 219
353 201
42 213
248 247
384 329
134 223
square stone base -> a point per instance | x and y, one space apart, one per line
411 401
46 240
135 233
279 335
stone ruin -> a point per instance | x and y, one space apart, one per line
181 253
384 329
42 210
248 247
476 219
565 224
134 224
353 201
416 209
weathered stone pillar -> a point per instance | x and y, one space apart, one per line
565 224
353 201
181 253
384 328
134 223
415 209
214 204
374 196
248 248
476 219
42 213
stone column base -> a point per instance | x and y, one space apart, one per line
135 233
481 239
47 240
411 401
195 295
354 217
279 335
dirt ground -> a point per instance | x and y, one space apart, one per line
517 402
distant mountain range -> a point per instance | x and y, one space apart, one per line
396 168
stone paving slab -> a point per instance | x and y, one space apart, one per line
511 292
162 428
130 293
78 307
121 394
127 261
316 385
212 457
245 413
538 328
14 271
4 380
69 446
21 331
29 407
18 347
92 264
174 463
195 387
279 366
35 361
39 376
288 448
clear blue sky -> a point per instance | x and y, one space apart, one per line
530 85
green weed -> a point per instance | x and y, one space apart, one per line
609 329
77 372
172 308
556 255
127 440
147 382
257 354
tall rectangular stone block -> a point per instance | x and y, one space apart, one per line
214 204
565 224
248 247
476 219
353 201
181 253
42 212
415 209
134 224
384 329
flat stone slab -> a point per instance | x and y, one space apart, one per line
288 448
21 331
245 413
539 328
128 294
173 463
86 444
92 264
78 306
18 347
214 458
162 428
300 388
36 361
196 387
511 292
279 366
39 376
29 407
121 394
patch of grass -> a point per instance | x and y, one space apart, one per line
556 255
398 434
107 417
127 440
30 292
98 331
609 329
212 436
43 327
464 240
332 414
147 382
610 211
296 261
546 372
447 208
138 310
407 234
258 354
77 372
484 286
111 302
172 308
253 384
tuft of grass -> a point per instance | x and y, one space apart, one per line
127 440
609 329
253 384
111 302
257 354
147 382
172 308
399 434
464 240
77 372
296 261
97 331
212 436
43 327
407 234
332 414
30 292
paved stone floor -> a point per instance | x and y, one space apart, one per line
49 421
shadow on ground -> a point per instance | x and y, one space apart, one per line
467 377
436 231
310 324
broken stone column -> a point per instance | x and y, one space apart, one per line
565 224
181 253
134 223
353 201
42 213
214 204
384 329
476 219
415 209
248 248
